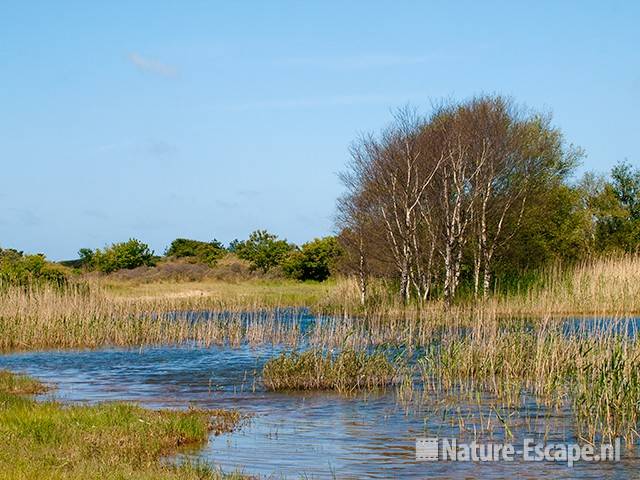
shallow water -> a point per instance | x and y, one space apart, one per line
316 435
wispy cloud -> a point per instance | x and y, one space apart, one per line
160 148
358 61
152 66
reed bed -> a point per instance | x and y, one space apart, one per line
346 371
497 346
81 316
592 368
599 286
93 314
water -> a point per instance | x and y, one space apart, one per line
312 435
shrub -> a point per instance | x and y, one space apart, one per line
313 261
200 252
19 269
130 254
262 250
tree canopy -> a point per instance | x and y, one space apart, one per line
478 192
125 255
201 252
263 250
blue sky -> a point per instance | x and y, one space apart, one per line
158 120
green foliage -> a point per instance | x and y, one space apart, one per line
315 260
19 269
125 255
263 250
200 252
86 256
568 223
233 245
626 187
615 206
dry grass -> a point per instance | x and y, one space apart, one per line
601 286
593 368
223 294
604 286
81 317
108 312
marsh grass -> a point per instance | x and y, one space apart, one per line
82 316
346 371
48 440
599 286
594 369
606 393
119 313
471 347
13 384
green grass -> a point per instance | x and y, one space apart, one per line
49 440
12 384
226 294
346 371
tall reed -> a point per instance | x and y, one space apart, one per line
346 371
81 316
592 367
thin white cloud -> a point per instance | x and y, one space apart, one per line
152 66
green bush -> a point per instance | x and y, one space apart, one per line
125 255
263 250
313 261
201 252
19 269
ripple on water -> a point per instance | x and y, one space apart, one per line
320 435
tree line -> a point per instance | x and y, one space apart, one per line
264 251
473 199
474 196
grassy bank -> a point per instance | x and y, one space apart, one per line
48 440
223 294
